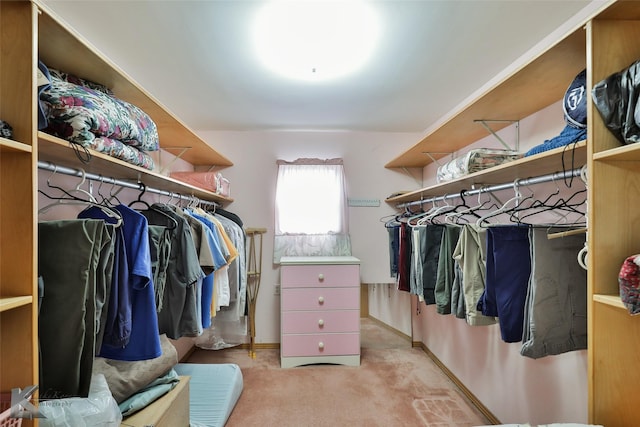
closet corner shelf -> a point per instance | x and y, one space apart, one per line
8 303
539 164
629 152
612 300
7 145
58 151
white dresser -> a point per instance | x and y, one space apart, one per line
319 310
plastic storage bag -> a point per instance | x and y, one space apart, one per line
99 409
616 99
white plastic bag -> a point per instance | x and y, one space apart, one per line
99 409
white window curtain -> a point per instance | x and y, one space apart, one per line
311 209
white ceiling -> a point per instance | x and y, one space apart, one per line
194 57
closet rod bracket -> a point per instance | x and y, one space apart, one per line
433 159
484 123
418 182
164 168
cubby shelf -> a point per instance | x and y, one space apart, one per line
8 303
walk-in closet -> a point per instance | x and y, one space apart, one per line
447 236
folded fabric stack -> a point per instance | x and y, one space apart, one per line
88 114
474 161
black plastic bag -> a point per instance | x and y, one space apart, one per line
616 98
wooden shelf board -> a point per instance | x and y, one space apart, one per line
11 145
539 164
629 152
57 151
60 47
541 83
612 300
621 10
8 303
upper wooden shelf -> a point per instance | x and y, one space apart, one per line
58 151
62 48
556 160
528 90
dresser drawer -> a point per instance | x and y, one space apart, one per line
320 345
307 322
320 299
319 275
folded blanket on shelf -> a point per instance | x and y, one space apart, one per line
474 161
88 114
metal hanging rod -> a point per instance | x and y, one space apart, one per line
498 187
127 184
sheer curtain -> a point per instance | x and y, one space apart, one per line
311 216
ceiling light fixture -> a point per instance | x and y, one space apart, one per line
315 40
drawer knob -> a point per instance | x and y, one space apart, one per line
321 277
320 300
320 322
320 345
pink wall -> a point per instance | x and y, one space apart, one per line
253 180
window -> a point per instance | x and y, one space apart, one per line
311 209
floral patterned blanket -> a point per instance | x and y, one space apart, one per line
88 114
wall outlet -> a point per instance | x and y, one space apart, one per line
276 289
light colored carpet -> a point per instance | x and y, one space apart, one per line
395 385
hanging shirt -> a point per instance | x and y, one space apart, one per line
145 340
118 319
220 262
470 252
179 306
68 261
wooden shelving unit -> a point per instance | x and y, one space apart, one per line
605 43
18 238
29 32
614 228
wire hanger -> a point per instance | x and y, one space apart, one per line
454 217
505 208
428 218
72 199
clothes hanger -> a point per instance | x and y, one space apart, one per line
454 217
561 207
389 220
143 189
505 208
73 199
64 191
413 217
428 219
459 213
103 199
